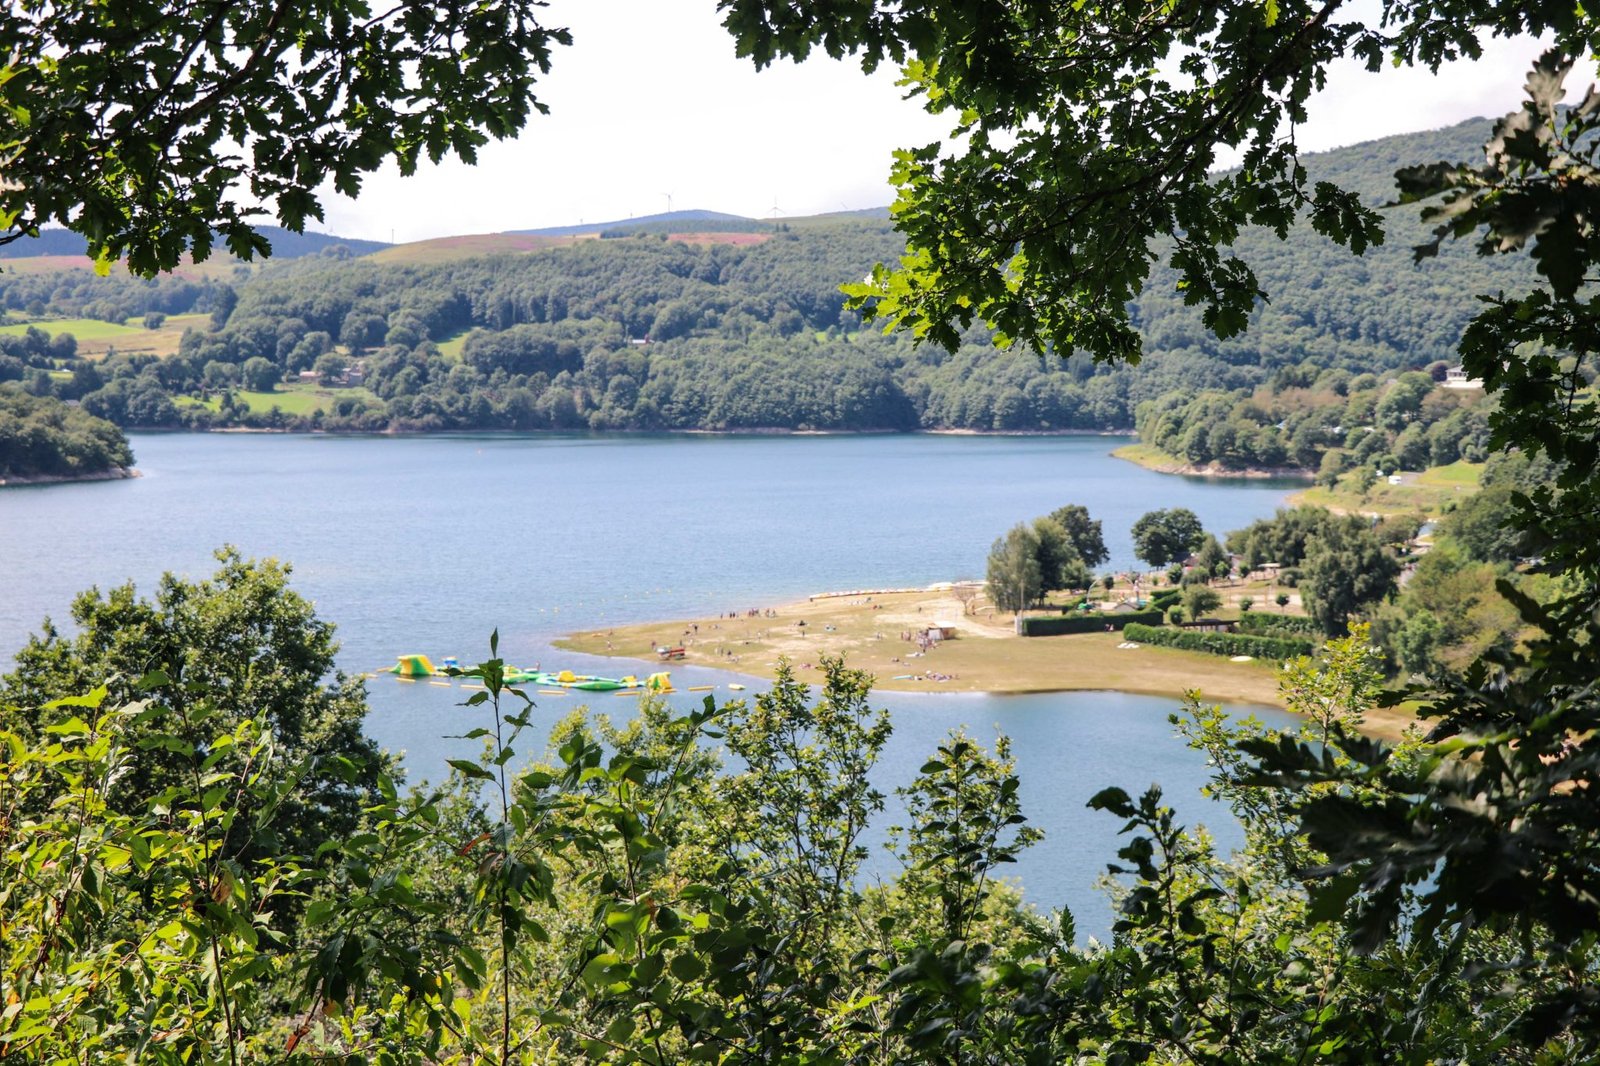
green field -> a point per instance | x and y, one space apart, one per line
451 347
96 337
291 399
1427 492
85 329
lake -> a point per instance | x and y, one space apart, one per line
426 544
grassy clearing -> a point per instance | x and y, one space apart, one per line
1149 457
85 329
451 347
295 400
95 337
1428 492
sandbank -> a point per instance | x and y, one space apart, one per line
875 631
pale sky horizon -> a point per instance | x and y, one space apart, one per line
650 108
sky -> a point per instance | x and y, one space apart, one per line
651 109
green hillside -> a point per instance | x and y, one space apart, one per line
740 327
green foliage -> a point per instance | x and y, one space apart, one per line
1161 599
139 931
1347 570
142 136
1060 567
1094 622
45 437
1199 601
1267 625
724 351
1481 525
1309 417
966 822
1084 533
1284 539
1166 536
238 647
1278 648
1014 580
1450 613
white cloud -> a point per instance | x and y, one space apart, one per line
650 102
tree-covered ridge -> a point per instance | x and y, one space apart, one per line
1324 423
44 437
640 332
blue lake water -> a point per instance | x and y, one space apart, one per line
428 543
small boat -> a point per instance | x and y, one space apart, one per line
668 654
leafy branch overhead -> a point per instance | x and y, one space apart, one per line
1084 142
1539 185
147 126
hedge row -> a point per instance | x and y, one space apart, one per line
1164 598
1220 643
1054 626
1273 625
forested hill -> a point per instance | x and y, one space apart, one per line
1372 312
720 323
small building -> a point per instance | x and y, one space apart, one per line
1456 378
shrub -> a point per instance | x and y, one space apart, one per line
1048 626
1273 625
1220 643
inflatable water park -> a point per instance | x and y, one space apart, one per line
417 667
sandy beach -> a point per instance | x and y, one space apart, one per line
878 631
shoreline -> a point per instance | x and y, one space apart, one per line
1151 458
745 431
874 631
116 473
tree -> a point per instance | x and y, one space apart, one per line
259 651
1346 570
1084 533
1211 560
147 132
1480 525
1165 536
1014 580
330 366
1200 600
1059 564
259 374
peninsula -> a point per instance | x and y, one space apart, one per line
877 631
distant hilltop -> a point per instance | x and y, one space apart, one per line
64 245
286 244
697 220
